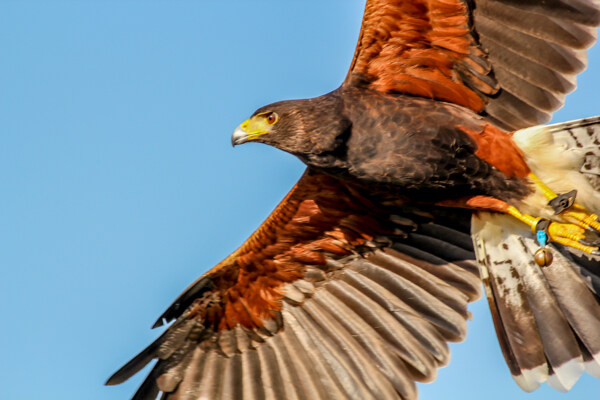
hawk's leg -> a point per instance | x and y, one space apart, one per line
567 208
579 230
567 234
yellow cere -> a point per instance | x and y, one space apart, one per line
259 125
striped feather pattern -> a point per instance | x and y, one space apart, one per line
367 325
535 49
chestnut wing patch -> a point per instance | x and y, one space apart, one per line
334 296
511 61
423 48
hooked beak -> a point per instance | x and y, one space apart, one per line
239 136
250 130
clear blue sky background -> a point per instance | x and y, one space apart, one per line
119 186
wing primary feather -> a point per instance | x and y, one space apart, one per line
172 370
533 71
189 385
529 93
148 389
458 275
423 257
359 314
441 248
232 388
308 372
390 367
429 282
420 329
448 235
292 294
338 362
357 358
515 113
134 365
184 300
270 372
252 376
583 12
294 387
450 323
300 337
544 27
155 349
210 383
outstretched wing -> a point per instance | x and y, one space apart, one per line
339 294
512 61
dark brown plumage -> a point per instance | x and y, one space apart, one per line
418 148
356 282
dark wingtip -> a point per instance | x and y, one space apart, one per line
184 300
113 380
136 363
118 377
159 322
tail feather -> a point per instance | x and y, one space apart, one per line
547 319
582 137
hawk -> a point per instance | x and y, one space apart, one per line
428 174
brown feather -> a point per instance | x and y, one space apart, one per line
353 285
470 53
413 47
341 330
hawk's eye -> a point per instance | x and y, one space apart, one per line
271 118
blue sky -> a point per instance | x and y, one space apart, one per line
119 185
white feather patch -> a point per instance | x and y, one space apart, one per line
566 375
592 367
560 155
530 379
